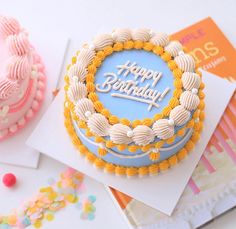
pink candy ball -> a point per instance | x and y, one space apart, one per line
9 180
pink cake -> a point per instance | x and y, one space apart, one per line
22 78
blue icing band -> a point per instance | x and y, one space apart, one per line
125 108
135 162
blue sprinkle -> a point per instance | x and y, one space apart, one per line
91 216
26 221
92 198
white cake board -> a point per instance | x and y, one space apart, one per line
161 192
52 49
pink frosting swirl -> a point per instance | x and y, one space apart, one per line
8 88
9 26
18 44
18 68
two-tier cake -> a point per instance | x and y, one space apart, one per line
22 79
134 102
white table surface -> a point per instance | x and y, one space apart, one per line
82 19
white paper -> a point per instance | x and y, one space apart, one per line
14 150
161 192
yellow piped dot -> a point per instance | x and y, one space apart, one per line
170 140
82 124
102 152
138 44
106 112
164 165
92 69
178 83
125 121
177 73
110 168
166 111
172 65
113 119
173 160
158 50
101 55
93 96
109 144
98 106
182 154
159 144
108 50
131 171
133 148
119 170
121 147
177 93
136 123
148 46
146 148
143 171
90 77
174 102
201 105
153 169
190 124
166 56
90 87
181 132
189 145
98 139
128 44
118 47
202 115
158 116
154 156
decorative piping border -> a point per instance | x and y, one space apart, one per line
21 47
152 169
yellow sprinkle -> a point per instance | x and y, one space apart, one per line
70 198
52 196
49 217
37 224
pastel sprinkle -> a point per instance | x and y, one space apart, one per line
37 224
49 217
91 216
92 198
49 200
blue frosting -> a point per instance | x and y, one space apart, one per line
135 162
124 108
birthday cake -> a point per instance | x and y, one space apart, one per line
22 79
134 102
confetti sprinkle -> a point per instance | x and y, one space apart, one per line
88 209
51 199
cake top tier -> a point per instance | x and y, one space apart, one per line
136 78
15 57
